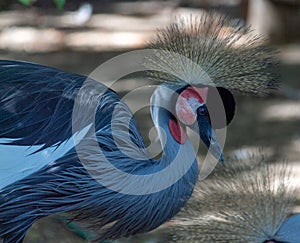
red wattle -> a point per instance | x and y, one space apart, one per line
177 131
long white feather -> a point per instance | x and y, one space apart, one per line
17 161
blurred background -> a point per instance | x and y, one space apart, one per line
78 36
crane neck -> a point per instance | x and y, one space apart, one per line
162 102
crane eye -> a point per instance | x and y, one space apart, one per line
202 111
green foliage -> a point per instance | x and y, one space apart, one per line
26 2
59 3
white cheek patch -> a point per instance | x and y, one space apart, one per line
188 102
185 112
194 103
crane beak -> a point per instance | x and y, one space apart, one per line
210 139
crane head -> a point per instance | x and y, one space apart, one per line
205 109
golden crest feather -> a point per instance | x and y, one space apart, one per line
244 203
212 50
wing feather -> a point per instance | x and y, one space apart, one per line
37 107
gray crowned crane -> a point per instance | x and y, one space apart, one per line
249 202
50 161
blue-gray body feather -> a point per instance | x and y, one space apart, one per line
37 109
289 231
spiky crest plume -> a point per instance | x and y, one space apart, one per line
212 50
240 204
